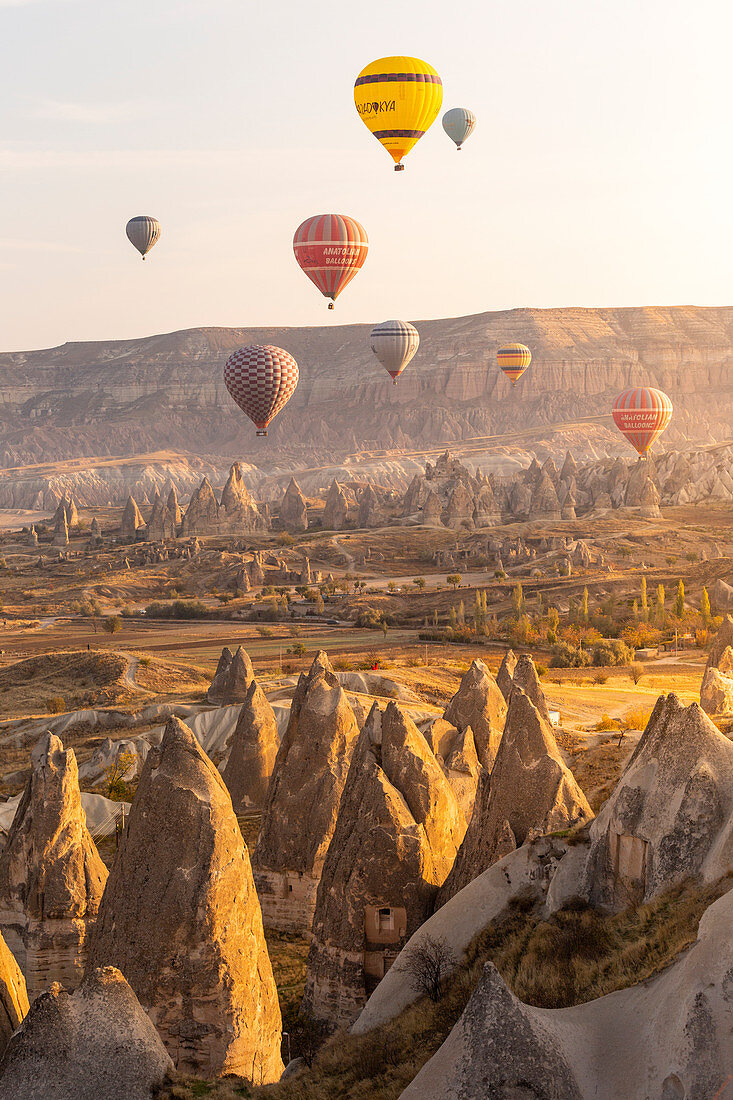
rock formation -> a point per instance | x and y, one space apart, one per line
162 524
396 836
722 640
51 876
199 966
505 675
95 534
716 692
529 792
32 539
336 511
232 678
432 510
293 508
544 503
60 527
93 1044
131 521
254 746
670 816
668 1037
202 514
174 508
303 799
460 508
13 995
456 753
238 510
479 703
525 677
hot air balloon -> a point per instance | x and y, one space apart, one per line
394 343
261 378
514 360
459 123
642 414
330 248
143 232
398 99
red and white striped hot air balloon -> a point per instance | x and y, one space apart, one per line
330 248
642 414
261 378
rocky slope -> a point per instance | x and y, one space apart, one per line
128 397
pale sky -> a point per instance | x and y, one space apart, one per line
599 172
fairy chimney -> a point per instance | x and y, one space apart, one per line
479 703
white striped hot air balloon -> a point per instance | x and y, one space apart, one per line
261 378
641 414
459 123
394 343
143 232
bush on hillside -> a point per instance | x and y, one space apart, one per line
612 651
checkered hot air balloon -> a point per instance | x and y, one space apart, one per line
261 378
394 343
514 359
641 414
331 249
143 232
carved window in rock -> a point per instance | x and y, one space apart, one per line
629 860
384 924
386 920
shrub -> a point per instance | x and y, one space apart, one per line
179 609
600 678
612 652
265 631
636 718
542 670
297 649
607 723
370 618
112 624
636 671
56 704
569 656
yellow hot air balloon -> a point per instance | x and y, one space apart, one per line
398 99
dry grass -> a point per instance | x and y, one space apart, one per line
577 955
79 677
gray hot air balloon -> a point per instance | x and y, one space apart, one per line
458 124
143 232
394 343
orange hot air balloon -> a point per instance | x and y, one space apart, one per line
642 414
514 359
330 249
261 378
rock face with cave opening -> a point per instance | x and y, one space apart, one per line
198 961
303 799
51 875
398 831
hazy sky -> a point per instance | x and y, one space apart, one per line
599 172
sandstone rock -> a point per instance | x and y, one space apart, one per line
202 514
544 503
32 539
459 512
721 595
13 995
396 837
60 527
174 508
131 521
463 770
293 508
530 792
93 1044
721 641
336 511
716 692
232 678
432 510
667 1038
479 703
199 966
370 511
51 876
414 496
162 523
254 747
238 510
505 675
303 798
486 510
95 534
670 816
568 506
569 468
520 500
526 678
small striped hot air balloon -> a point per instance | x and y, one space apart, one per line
641 414
398 99
459 123
261 378
394 343
514 359
143 232
330 249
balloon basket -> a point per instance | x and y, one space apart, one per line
399 167
330 305
262 431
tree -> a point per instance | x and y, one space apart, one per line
308 1035
635 609
518 601
419 583
113 624
454 580
320 606
644 601
660 605
385 627
391 586
636 671
679 603
705 607
452 618
584 606
114 777
461 613
427 964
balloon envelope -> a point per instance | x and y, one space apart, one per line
514 359
458 124
330 249
398 99
261 378
641 414
394 343
143 232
